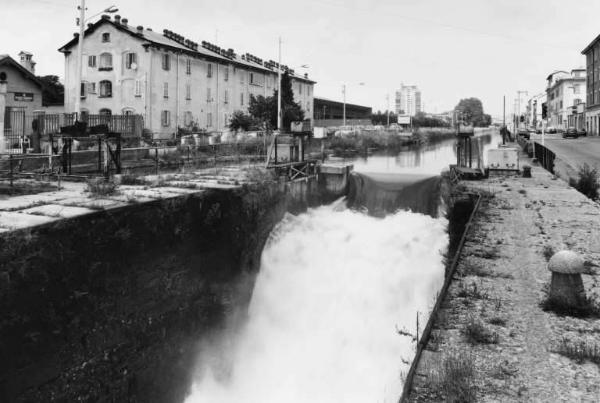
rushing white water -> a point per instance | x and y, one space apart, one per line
334 286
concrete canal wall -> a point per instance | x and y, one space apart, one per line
109 306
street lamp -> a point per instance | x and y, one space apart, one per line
82 20
344 93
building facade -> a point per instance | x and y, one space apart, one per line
330 113
533 117
408 100
172 81
564 90
24 91
592 110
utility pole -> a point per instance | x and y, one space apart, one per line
504 119
279 90
79 57
344 110
388 109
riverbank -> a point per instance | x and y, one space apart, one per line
492 339
106 295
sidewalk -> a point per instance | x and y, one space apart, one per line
492 341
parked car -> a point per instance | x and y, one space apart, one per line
570 132
582 132
551 130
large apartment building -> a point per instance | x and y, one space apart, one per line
172 81
592 112
564 90
408 100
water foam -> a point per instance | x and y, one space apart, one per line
333 287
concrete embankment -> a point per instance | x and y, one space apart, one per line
109 304
492 337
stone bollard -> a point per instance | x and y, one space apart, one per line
566 287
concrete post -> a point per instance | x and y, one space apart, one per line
3 91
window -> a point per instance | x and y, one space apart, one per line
188 66
226 99
105 37
138 88
308 107
576 89
91 88
300 88
105 112
166 61
226 73
187 118
166 90
130 61
242 99
209 119
188 91
128 111
83 90
242 74
208 97
209 73
309 87
560 105
105 62
92 61
165 118
105 89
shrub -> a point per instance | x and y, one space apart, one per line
101 187
587 183
456 377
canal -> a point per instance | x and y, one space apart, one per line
333 316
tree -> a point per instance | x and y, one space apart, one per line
470 110
53 92
241 120
422 120
265 109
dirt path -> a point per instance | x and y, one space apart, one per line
491 325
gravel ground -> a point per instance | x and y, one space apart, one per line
492 341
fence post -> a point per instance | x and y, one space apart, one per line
156 160
10 164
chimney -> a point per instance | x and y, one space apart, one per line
149 29
105 17
125 21
26 60
117 19
140 29
90 25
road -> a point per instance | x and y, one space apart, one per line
574 152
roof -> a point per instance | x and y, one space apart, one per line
160 40
322 100
7 60
588 47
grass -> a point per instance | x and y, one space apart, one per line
130 179
98 187
476 332
454 377
471 269
588 309
579 351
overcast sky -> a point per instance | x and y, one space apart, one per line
450 49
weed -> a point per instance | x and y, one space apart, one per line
498 321
548 252
132 180
587 183
477 333
471 291
578 351
454 377
101 187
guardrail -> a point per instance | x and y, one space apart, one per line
422 342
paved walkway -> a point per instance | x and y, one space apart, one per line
500 282
73 199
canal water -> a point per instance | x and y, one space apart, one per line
337 287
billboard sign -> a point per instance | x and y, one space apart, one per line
404 120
